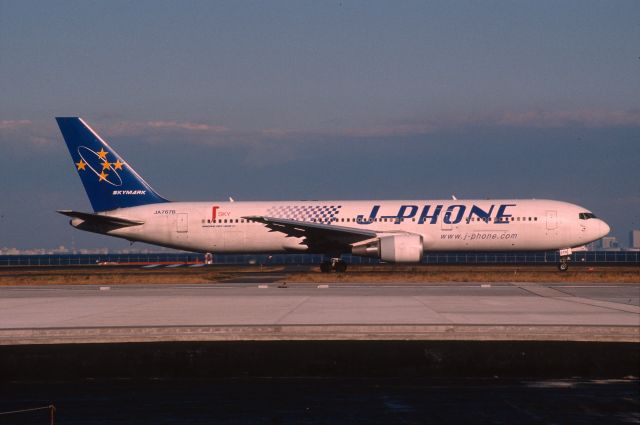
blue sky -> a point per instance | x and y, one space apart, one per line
289 100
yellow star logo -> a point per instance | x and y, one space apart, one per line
118 165
106 165
81 165
103 176
102 154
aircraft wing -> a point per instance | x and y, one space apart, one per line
101 220
319 237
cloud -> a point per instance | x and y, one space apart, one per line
189 126
515 119
390 131
135 128
554 119
288 144
217 134
25 132
272 146
159 131
13 124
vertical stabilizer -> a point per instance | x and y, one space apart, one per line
109 181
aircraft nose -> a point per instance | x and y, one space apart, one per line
604 228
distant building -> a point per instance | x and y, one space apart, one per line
593 246
634 239
609 243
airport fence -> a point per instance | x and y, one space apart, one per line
489 258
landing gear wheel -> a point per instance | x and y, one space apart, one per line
563 266
340 267
325 267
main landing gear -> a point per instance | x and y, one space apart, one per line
335 264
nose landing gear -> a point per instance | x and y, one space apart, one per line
563 266
565 257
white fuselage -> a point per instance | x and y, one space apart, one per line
445 225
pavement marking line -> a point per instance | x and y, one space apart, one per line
103 311
297 306
543 291
548 292
604 304
436 313
593 286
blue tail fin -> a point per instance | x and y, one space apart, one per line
109 181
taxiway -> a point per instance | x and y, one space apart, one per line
265 311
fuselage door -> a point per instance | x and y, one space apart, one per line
182 223
552 220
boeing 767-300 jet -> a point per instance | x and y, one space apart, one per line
125 206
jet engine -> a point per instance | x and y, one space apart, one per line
399 248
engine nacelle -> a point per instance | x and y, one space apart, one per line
400 248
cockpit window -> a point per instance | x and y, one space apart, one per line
586 215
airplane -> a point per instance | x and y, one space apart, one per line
400 231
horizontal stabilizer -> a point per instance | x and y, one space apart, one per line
99 219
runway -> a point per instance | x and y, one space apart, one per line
264 311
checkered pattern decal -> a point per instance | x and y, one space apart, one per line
315 213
